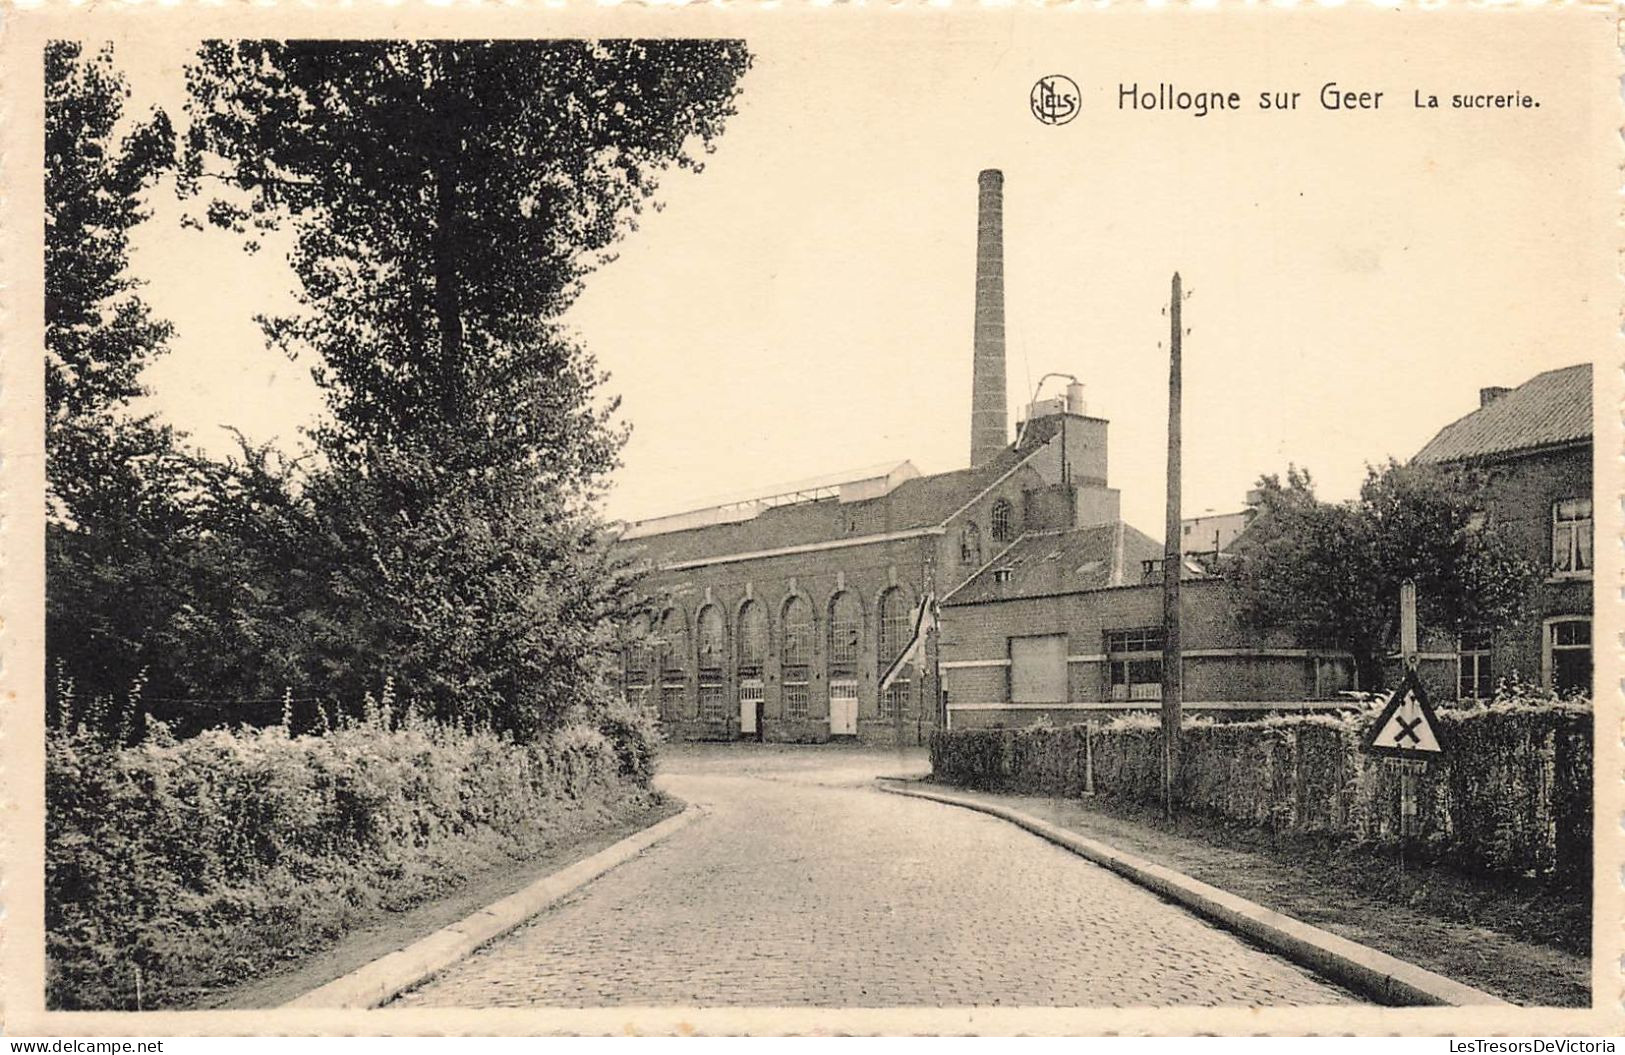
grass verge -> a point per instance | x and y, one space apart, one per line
390 931
1526 944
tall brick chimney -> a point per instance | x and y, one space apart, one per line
989 425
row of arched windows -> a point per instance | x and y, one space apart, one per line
662 644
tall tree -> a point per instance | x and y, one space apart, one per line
447 199
1331 572
112 478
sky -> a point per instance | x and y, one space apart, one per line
804 304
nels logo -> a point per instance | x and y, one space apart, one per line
1055 99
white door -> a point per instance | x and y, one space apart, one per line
843 708
750 698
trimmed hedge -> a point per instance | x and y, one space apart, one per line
178 867
1514 797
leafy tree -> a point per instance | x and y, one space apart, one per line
113 481
447 199
99 334
1331 572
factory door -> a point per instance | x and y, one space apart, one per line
750 709
843 708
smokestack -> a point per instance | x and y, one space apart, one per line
989 426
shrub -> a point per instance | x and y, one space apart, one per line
177 867
1514 795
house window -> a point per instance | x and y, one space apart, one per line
1475 679
1134 658
1003 530
845 634
752 639
970 545
1571 536
1568 648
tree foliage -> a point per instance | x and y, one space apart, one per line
449 196
1331 572
446 200
115 483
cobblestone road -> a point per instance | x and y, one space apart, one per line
805 886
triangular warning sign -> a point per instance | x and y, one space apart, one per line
1407 727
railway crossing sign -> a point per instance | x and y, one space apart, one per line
1407 727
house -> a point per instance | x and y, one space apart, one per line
1534 445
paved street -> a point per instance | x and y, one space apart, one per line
805 886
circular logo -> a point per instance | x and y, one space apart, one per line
1055 99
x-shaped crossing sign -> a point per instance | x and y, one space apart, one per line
1407 726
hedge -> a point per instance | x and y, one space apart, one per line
174 868
1513 797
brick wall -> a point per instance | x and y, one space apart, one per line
979 635
1520 495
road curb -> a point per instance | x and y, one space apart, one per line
388 976
1385 978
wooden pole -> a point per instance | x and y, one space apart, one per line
1408 656
1172 561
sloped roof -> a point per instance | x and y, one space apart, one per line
1047 563
924 501
1548 409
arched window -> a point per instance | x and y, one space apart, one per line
672 655
637 661
713 654
895 624
970 545
845 634
672 641
1003 527
797 629
711 633
796 656
896 627
752 639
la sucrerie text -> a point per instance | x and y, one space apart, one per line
1332 96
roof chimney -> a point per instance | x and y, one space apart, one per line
989 425
1486 396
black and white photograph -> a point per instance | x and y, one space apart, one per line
812 519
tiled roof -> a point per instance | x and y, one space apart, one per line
925 501
1549 408
1056 562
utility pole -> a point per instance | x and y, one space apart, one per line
1172 563
1408 651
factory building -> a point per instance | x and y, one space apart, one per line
776 616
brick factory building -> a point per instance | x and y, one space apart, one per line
775 616
1068 626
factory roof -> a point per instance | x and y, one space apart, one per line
916 503
1046 563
